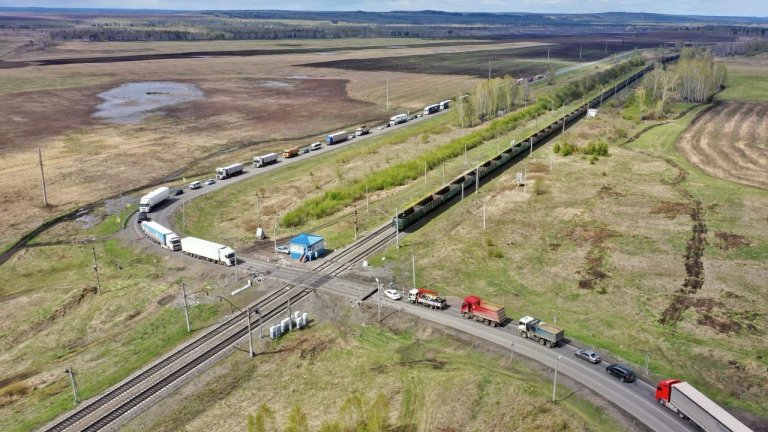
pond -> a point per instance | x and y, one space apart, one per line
131 103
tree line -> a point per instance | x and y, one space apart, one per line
498 96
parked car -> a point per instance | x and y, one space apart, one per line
393 294
210 181
621 372
176 192
283 249
143 217
195 185
589 356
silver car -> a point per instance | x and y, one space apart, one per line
589 356
283 249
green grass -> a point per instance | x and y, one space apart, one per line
745 84
431 382
104 337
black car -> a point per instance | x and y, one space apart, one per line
621 372
143 217
177 192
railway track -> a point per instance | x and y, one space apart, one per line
170 370
342 261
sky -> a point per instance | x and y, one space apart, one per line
678 7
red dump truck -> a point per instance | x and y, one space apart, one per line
693 405
482 311
427 298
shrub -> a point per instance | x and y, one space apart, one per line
556 148
539 187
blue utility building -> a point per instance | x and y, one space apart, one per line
307 247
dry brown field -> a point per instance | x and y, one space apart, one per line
86 159
730 141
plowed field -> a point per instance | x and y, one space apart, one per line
730 141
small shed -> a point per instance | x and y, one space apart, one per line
307 247
592 112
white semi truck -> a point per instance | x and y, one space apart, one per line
153 198
229 171
693 405
162 235
208 250
264 160
400 118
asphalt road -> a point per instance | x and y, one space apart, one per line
637 398
164 213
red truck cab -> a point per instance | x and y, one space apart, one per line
664 389
476 308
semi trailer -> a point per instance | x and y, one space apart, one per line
208 250
264 160
229 171
337 137
475 308
426 298
691 404
396 120
291 152
539 331
161 235
431 109
153 198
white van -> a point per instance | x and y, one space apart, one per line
195 185
316 146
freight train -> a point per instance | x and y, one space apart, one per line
417 211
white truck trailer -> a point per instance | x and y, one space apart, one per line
208 250
400 118
229 171
153 198
264 160
691 404
162 235
337 137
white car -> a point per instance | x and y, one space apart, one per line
283 249
195 185
393 294
210 181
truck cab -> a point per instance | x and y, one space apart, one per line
362 130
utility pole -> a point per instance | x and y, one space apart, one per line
477 178
275 236
261 324
554 383
443 173
234 266
42 176
250 336
258 211
387 95
413 260
531 154
547 56
72 381
355 222
96 270
397 228
186 312
462 191
647 357
378 295
425 172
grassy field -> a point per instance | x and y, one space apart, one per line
601 248
431 382
54 318
746 78
257 104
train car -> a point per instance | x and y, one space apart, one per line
468 179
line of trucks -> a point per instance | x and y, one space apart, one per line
475 308
679 396
192 246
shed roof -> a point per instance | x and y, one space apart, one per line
305 239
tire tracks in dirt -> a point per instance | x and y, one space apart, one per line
694 251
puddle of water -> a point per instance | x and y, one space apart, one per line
131 103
